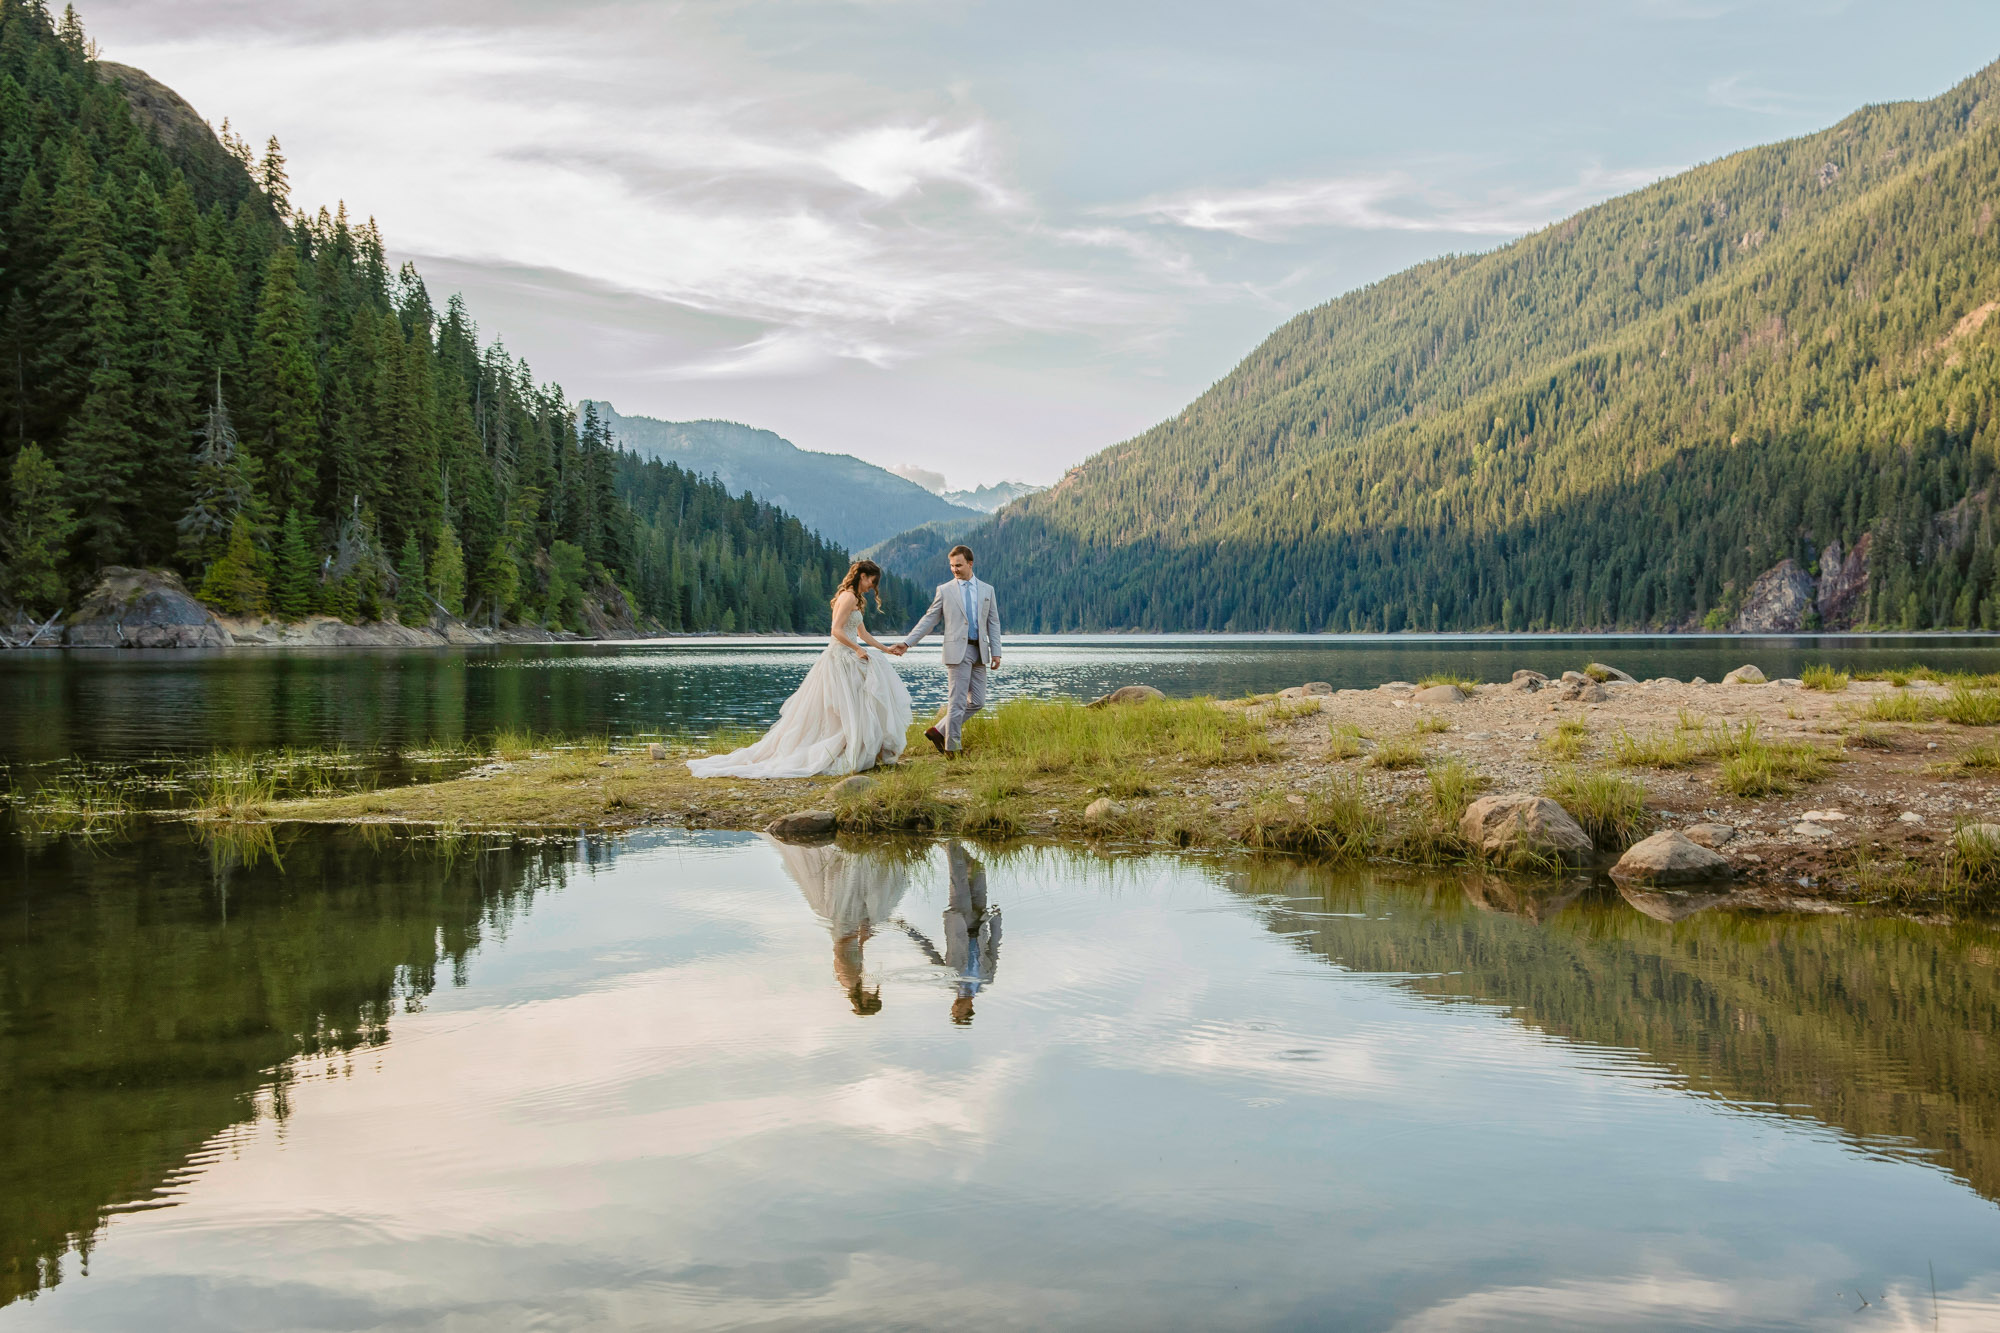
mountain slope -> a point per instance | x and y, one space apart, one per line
1621 420
845 500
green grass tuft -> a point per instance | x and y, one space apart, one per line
1611 809
1335 823
1568 741
1398 752
1822 677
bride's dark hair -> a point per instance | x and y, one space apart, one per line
859 570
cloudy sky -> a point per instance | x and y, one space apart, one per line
987 238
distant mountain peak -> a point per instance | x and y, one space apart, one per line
843 498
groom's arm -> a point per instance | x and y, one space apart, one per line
993 624
927 624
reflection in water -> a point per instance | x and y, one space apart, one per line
621 1097
157 992
971 932
853 893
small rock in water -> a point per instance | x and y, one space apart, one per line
1128 694
1744 675
1501 825
1669 857
1710 835
803 824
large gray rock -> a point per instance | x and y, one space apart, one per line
1710 836
1439 694
1499 826
803 824
1744 675
1128 694
1778 601
1581 690
1598 671
143 608
1527 682
1669 857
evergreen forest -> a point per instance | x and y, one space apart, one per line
196 377
1618 422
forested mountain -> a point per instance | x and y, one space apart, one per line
1622 420
837 495
195 377
706 560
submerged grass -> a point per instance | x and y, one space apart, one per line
1334 822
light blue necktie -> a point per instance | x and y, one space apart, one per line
970 590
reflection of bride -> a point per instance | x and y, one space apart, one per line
853 894
852 711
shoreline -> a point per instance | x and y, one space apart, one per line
1871 824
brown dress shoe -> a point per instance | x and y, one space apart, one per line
935 737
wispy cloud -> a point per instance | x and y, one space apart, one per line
1391 201
1738 93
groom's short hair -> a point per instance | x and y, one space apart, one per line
965 551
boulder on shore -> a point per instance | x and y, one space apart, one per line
1307 690
1439 694
1527 682
802 824
1583 689
1128 694
1744 675
1601 673
143 608
1710 836
1101 809
1669 857
1499 826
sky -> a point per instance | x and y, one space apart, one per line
985 239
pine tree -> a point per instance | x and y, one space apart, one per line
235 583
413 604
285 387
164 401
565 604
221 488
295 590
33 539
448 572
272 180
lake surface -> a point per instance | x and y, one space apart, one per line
121 705
703 1080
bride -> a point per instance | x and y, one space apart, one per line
851 712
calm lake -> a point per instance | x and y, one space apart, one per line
122 705
706 1080
385 1081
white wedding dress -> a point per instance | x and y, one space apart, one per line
845 716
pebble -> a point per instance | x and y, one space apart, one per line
1824 816
1909 817
1810 830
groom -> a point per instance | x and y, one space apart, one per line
971 619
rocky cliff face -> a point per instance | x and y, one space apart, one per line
1843 583
1777 602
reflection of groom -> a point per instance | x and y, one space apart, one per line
971 618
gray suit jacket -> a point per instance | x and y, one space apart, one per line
948 609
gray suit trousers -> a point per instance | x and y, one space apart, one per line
968 696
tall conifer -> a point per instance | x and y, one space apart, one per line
286 387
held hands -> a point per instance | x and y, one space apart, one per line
897 649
